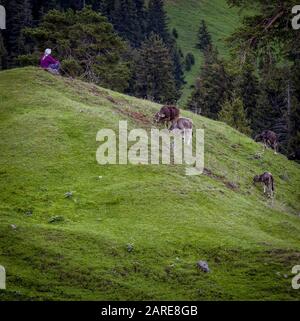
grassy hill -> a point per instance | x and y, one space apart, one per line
186 15
56 248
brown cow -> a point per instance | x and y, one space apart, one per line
269 139
167 114
268 182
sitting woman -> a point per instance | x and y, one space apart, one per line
49 63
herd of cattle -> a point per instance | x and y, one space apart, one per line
170 116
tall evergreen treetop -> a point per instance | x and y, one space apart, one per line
213 86
204 38
233 114
157 20
154 71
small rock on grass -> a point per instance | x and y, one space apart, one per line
56 219
68 194
129 247
203 266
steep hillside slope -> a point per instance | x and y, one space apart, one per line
133 232
186 15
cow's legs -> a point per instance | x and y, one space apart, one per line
265 189
265 145
270 191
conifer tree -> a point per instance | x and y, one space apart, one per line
204 38
125 21
157 20
248 87
293 148
213 86
189 61
233 114
86 45
154 71
18 16
177 58
2 52
271 112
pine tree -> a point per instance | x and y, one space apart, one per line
177 58
157 20
86 45
233 114
2 52
126 21
204 38
157 24
248 87
40 8
189 61
154 71
271 112
293 148
212 87
175 33
18 16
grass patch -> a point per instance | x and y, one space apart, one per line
133 232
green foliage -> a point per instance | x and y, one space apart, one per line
18 17
86 45
3 52
204 37
293 148
157 20
128 20
212 87
268 34
175 33
248 88
28 60
154 71
189 61
185 16
72 67
177 60
233 114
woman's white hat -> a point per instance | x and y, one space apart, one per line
48 51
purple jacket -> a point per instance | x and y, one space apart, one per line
46 61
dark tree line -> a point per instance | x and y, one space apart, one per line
135 21
262 82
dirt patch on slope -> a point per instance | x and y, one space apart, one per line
231 185
136 116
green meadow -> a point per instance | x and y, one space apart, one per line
186 16
134 232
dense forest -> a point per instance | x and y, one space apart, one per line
100 41
126 45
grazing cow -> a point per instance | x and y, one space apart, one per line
185 127
268 182
166 114
269 139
